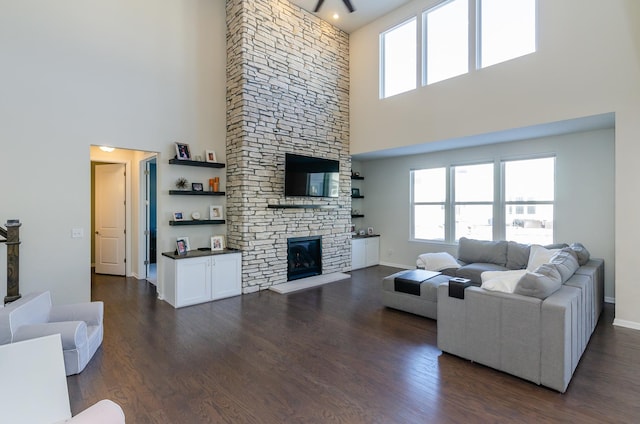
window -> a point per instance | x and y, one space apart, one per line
473 191
507 29
529 186
453 33
398 62
446 29
429 197
464 201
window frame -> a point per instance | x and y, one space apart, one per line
382 91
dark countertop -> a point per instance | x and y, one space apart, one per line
364 236
199 253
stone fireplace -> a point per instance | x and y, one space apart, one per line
304 257
287 92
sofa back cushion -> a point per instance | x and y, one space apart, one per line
30 309
517 255
493 252
582 253
566 262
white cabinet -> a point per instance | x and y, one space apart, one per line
198 279
365 252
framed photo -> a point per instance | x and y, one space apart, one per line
210 156
370 231
217 243
215 212
361 232
355 192
178 216
184 240
353 229
181 247
182 151
196 186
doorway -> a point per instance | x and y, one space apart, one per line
110 218
151 227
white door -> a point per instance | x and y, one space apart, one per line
110 219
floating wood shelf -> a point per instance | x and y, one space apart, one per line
357 216
196 163
198 222
357 197
197 193
353 177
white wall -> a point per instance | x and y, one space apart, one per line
138 74
584 192
587 63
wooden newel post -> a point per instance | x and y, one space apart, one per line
13 260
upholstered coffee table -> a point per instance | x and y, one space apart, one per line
424 304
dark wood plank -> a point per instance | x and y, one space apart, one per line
329 354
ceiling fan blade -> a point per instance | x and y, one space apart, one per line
318 6
349 5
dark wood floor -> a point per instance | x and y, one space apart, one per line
328 355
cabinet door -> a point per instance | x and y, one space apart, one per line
357 253
193 281
372 251
226 272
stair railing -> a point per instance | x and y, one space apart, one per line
12 239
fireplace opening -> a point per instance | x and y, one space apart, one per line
304 257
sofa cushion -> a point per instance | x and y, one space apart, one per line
474 271
502 281
437 261
517 255
494 252
566 262
541 283
539 255
581 252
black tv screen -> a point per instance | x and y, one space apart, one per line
310 177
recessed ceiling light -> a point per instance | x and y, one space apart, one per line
107 149
336 16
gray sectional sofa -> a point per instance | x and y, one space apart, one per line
535 327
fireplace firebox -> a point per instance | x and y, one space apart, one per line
304 257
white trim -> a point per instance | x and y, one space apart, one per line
627 324
609 299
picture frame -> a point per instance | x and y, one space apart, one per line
216 212
353 229
217 243
355 192
185 240
182 151
210 156
370 231
181 248
361 232
197 187
178 216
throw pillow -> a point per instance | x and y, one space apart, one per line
486 251
502 281
566 262
538 256
437 261
581 252
542 283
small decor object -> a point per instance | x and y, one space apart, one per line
177 216
198 158
355 192
211 184
210 156
370 231
353 229
185 240
214 184
196 186
195 216
181 183
217 243
181 248
361 232
182 151
215 212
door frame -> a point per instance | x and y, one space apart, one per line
127 210
143 249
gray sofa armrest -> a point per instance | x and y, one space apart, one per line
73 333
92 313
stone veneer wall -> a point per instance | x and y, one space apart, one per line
287 91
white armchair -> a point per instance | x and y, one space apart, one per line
33 388
79 325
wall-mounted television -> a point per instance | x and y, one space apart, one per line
310 177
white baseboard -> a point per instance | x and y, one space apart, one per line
626 324
397 265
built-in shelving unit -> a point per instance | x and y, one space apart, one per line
356 196
196 163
